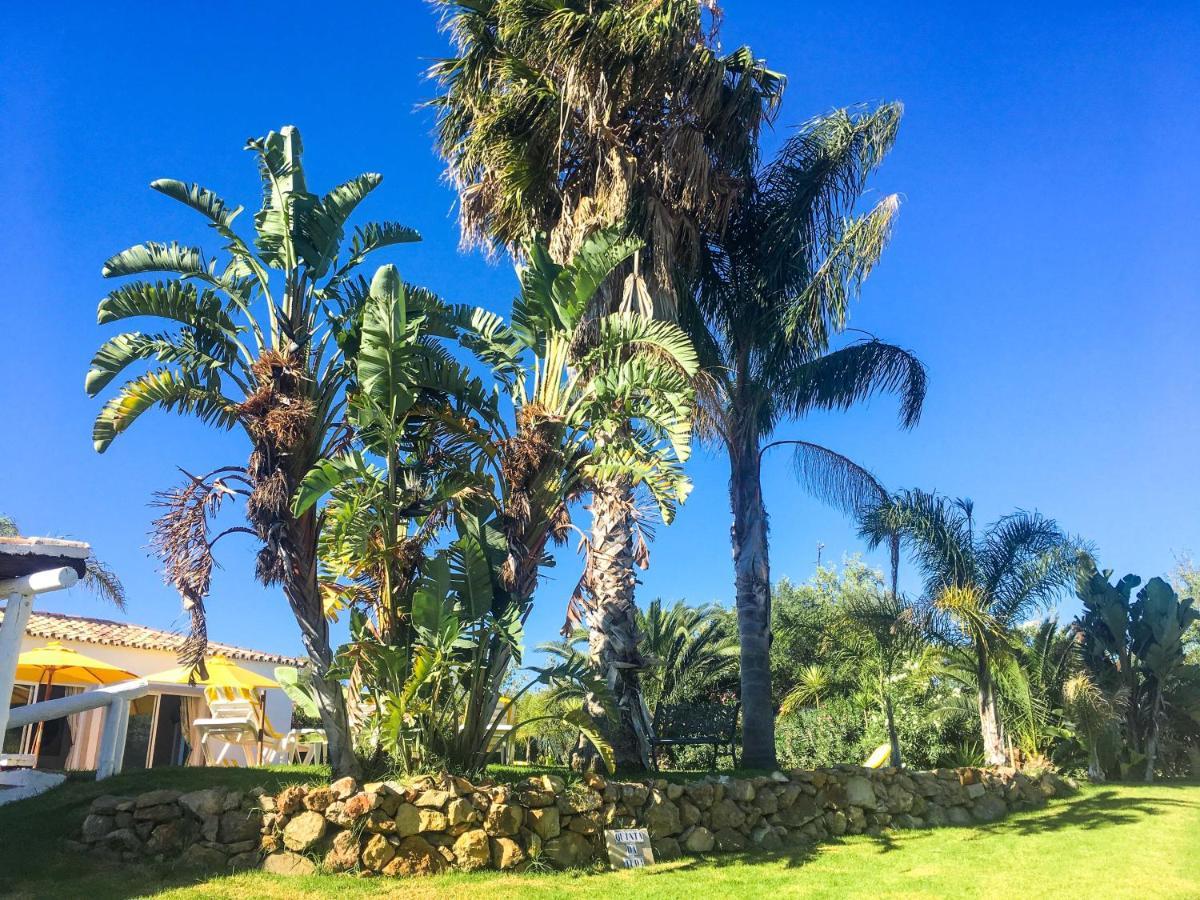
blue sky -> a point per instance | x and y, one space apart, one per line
1045 266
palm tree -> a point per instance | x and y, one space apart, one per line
251 352
984 586
776 286
568 118
1094 714
883 635
1045 657
688 649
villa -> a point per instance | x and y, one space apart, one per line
159 723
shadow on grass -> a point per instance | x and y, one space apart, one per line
1102 808
791 857
33 862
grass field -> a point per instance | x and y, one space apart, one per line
1108 841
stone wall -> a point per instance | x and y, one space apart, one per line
210 829
431 824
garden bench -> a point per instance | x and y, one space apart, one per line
696 724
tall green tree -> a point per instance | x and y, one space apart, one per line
983 585
596 401
565 118
1135 647
256 341
776 287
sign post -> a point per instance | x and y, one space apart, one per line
629 848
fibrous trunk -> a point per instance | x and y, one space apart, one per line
989 716
613 634
1152 733
279 416
752 573
300 587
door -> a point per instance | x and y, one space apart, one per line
168 747
57 734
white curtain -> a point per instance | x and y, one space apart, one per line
191 709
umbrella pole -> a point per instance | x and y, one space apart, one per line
262 721
37 739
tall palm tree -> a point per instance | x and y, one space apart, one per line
569 117
258 346
776 287
984 585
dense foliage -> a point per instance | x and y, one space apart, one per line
412 461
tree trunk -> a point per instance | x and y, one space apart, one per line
1152 732
303 594
613 635
990 726
893 737
752 573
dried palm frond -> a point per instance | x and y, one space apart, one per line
180 539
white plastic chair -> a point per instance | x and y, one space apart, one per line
305 745
232 721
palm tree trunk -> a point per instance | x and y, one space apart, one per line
613 634
893 737
300 587
990 726
752 574
1152 732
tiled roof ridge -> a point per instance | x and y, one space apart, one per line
50 625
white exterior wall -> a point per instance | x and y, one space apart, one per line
147 662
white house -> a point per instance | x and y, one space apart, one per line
159 723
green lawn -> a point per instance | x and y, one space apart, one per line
1110 841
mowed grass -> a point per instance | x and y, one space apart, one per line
1107 841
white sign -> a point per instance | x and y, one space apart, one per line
629 848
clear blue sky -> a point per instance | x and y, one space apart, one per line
1045 265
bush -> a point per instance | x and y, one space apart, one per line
840 731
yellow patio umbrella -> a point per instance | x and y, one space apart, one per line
56 663
223 673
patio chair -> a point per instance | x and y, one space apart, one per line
17 761
236 717
233 722
309 746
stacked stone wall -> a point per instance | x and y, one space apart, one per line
431 824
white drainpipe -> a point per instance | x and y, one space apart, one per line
20 593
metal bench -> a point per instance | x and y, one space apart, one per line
696 724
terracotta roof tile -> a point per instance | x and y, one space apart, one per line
61 627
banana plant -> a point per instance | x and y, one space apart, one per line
256 340
394 487
433 701
1160 620
1134 648
602 404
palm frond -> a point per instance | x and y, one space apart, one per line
840 379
